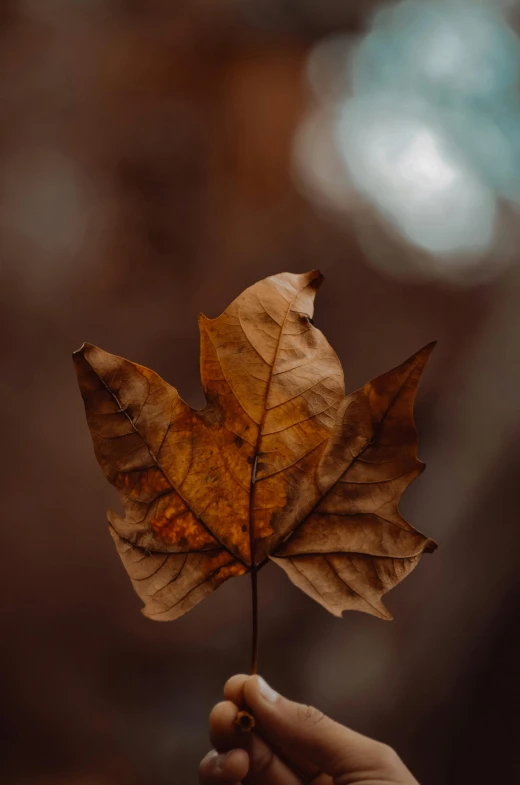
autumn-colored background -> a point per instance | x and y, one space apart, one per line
145 156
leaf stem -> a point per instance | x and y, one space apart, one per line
254 640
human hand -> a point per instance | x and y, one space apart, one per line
291 745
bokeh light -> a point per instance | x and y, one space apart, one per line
424 124
448 50
404 163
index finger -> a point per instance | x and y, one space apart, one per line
234 690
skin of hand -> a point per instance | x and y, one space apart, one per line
291 744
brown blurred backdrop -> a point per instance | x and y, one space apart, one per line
145 176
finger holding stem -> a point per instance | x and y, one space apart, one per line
265 766
312 744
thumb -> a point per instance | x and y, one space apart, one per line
304 733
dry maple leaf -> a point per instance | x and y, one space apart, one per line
279 464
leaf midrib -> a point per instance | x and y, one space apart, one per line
261 425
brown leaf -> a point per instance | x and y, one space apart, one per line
279 464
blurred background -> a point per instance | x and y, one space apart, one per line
156 158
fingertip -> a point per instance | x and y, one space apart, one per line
234 689
208 767
211 755
225 769
222 716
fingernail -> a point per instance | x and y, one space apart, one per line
266 691
210 756
218 763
